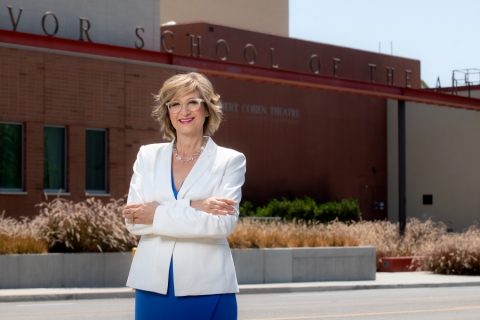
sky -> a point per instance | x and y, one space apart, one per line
439 33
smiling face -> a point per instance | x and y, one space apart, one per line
186 122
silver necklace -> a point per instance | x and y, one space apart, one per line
193 157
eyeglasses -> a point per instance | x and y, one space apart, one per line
176 106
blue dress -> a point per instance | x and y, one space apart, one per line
155 306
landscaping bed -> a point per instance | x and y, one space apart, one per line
92 226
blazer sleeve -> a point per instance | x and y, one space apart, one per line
135 194
179 220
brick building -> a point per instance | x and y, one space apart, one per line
312 119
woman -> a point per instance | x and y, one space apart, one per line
183 201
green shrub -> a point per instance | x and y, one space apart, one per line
296 209
247 209
304 209
345 210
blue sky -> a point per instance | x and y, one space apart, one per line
441 34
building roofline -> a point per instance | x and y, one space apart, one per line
238 71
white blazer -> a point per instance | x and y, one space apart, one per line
202 261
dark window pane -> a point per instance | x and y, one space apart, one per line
96 160
10 156
54 158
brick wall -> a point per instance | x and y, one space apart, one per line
40 88
327 152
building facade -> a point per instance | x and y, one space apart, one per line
312 119
443 181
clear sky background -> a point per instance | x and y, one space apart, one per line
442 34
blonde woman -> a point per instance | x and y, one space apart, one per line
183 201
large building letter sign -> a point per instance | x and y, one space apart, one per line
50 25
139 37
56 23
390 76
335 66
217 49
372 68
245 50
14 23
407 78
162 41
315 69
193 45
82 29
272 56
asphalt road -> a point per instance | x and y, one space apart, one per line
425 303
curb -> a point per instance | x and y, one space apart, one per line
353 287
245 290
67 296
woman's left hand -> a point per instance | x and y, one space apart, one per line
143 213
213 205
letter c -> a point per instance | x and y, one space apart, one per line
164 47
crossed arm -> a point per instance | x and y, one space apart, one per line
144 212
213 217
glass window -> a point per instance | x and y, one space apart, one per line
54 159
11 156
96 160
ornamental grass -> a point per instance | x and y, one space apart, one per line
383 235
87 226
453 253
251 233
20 236
92 226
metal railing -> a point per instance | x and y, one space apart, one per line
465 78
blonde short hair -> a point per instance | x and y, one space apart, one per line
183 84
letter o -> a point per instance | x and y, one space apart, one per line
319 67
227 49
254 54
56 23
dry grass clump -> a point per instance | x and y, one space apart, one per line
385 236
20 236
454 253
260 234
87 226
90 226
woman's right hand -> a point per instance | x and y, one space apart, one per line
218 206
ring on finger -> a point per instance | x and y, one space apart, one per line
133 217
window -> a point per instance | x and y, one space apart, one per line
54 168
11 157
427 199
96 161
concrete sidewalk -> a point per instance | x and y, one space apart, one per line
383 281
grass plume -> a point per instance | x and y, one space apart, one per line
20 236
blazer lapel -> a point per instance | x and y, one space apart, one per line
203 163
163 173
